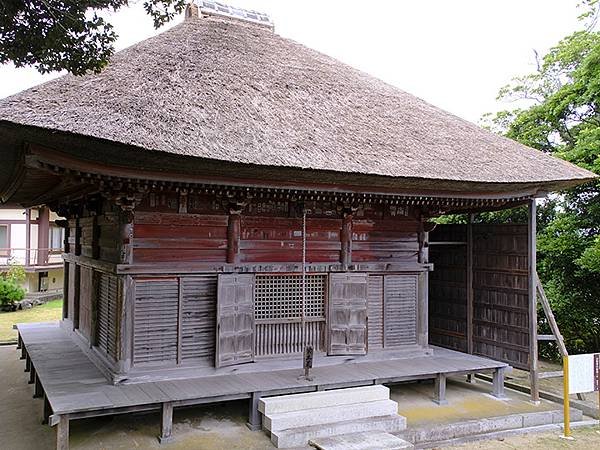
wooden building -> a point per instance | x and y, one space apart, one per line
233 197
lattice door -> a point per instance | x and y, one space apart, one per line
279 313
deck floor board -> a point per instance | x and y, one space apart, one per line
73 384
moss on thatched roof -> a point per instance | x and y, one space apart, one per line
224 90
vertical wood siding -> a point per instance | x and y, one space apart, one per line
86 297
375 311
108 315
156 313
288 339
400 302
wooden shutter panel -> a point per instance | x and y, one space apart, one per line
375 322
107 322
347 313
400 300
235 319
198 321
155 320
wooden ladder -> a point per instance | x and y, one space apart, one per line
555 336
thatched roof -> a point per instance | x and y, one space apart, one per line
223 90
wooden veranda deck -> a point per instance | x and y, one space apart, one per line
73 387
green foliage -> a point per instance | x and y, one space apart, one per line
15 273
10 292
560 114
72 35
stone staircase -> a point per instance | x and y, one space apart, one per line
294 420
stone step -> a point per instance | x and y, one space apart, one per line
329 414
336 397
297 437
370 440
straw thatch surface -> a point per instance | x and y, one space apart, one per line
224 90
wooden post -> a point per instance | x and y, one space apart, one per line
469 280
27 364
346 240
233 235
439 390
62 433
532 278
47 410
27 237
43 235
566 398
38 391
166 423
32 376
254 417
498 383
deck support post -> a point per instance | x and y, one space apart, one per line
32 375
62 433
19 341
498 383
439 390
27 364
23 352
254 418
532 282
47 410
37 390
166 423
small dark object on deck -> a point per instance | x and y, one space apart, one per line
308 361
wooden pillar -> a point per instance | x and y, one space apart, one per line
439 390
346 240
62 433
32 375
27 237
498 382
423 292
43 235
533 340
234 227
166 423
75 283
126 236
47 410
469 282
254 417
38 391
126 293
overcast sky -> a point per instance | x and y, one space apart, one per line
455 54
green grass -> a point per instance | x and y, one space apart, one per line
44 313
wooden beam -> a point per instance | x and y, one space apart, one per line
532 285
439 390
62 433
233 237
166 423
43 235
498 383
469 283
346 241
556 334
254 417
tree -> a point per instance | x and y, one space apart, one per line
72 35
560 114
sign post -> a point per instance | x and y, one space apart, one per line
566 393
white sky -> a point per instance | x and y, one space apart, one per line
455 54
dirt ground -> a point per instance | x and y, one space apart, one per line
584 438
222 427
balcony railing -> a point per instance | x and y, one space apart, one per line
30 256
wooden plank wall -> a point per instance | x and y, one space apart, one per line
500 285
448 288
278 239
392 239
500 291
172 237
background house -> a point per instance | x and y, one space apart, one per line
29 237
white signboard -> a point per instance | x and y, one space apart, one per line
584 373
